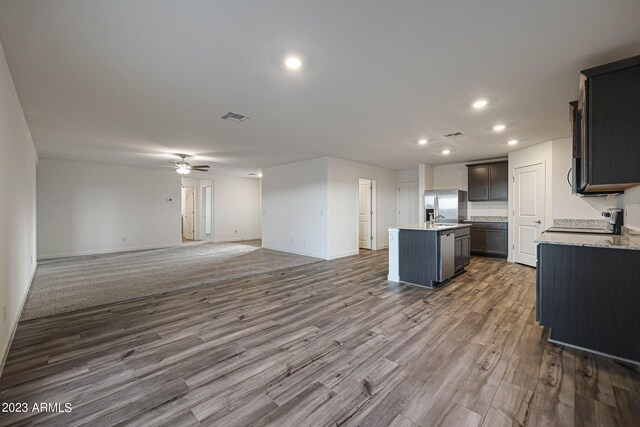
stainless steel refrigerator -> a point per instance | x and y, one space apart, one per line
446 205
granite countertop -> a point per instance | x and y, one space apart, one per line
593 240
487 219
427 227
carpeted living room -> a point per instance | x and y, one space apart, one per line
63 285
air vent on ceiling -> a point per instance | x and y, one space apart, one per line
454 135
234 117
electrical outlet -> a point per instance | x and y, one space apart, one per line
124 238
4 313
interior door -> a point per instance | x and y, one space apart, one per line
188 214
208 214
529 211
364 213
408 199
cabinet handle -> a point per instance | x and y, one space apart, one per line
538 222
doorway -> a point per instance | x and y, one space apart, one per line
529 195
367 214
188 213
207 212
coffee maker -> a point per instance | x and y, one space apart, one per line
615 216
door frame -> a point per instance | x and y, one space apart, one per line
512 203
374 214
194 207
203 207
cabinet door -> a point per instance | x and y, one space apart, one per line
496 242
478 183
499 181
459 262
466 250
614 152
478 240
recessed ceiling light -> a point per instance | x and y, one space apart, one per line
293 62
445 152
480 103
259 175
499 128
512 142
423 141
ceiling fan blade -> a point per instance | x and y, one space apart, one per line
200 170
200 166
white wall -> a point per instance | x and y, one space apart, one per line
17 210
564 204
630 201
294 207
342 209
425 182
236 208
87 208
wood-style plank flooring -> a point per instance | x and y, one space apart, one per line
331 343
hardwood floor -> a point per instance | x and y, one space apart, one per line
331 343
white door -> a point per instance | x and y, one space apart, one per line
208 218
188 213
408 200
364 214
529 211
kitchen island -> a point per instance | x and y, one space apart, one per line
428 254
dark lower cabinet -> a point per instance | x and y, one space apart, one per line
462 249
590 298
490 239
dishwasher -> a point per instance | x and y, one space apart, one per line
447 248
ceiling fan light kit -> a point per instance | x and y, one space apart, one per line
183 167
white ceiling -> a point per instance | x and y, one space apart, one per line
129 82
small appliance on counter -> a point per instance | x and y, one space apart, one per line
615 219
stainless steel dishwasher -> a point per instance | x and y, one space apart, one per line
447 247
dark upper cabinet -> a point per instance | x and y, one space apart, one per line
489 181
608 128
499 181
478 184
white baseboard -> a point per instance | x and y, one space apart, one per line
107 251
237 239
279 249
344 254
14 326
393 278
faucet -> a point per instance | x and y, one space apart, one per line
438 217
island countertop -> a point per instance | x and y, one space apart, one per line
429 227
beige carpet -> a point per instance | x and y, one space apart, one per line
69 284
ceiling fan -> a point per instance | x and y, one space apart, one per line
183 167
